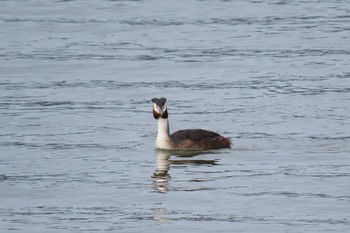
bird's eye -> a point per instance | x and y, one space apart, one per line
158 108
163 108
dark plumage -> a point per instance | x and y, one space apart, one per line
199 139
193 134
160 102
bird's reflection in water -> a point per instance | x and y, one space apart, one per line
161 176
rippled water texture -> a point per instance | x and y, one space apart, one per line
77 133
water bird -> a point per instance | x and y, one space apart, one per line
188 139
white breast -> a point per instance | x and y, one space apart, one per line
163 139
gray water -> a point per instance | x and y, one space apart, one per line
77 133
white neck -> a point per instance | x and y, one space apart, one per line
163 138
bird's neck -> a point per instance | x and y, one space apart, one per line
163 137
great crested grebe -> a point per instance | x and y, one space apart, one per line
188 139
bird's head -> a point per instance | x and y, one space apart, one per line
159 108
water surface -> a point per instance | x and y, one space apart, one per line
77 134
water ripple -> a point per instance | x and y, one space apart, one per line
281 86
64 146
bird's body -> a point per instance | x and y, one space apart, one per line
188 139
